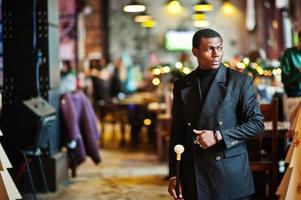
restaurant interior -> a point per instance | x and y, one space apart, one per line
86 93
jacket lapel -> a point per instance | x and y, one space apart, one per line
215 96
192 97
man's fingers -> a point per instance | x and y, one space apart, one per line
174 195
198 131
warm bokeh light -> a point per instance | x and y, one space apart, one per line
178 65
148 24
134 8
228 8
153 106
174 7
275 24
198 16
275 72
156 71
147 122
203 7
201 23
259 70
186 70
156 81
241 65
166 69
246 61
142 18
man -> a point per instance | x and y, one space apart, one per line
291 70
215 111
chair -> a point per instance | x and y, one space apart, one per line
163 128
41 142
288 105
268 161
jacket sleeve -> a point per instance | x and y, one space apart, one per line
177 129
250 117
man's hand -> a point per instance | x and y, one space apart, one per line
172 189
205 138
299 69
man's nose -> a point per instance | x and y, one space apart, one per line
215 53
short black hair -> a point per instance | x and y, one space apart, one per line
204 33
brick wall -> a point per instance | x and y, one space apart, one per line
94 24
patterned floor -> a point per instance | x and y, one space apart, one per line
121 176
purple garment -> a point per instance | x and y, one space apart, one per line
81 126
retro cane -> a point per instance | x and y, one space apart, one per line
179 149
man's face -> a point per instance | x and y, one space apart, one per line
209 52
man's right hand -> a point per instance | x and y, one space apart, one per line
172 189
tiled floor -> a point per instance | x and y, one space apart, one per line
122 175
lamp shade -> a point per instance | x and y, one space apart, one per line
198 15
134 7
142 17
149 23
203 5
201 23
174 6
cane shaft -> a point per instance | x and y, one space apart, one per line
178 178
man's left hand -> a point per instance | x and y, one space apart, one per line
205 138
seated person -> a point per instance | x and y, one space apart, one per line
68 78
291 69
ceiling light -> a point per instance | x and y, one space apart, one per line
142 17
149 23
199 15
134 6
227 7
201 23
174 7
203 5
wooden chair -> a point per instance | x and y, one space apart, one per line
163 128
268 161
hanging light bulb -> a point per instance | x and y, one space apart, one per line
227 7
201 23
198 15
142 17
149 23
174 7
134 6
203 5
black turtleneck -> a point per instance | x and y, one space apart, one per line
205 79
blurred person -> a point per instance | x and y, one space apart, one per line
118 76
100 77
215 110
291 70
68 78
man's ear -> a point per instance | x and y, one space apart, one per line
195 51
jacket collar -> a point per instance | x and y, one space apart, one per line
192 95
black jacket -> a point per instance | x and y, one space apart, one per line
222 171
